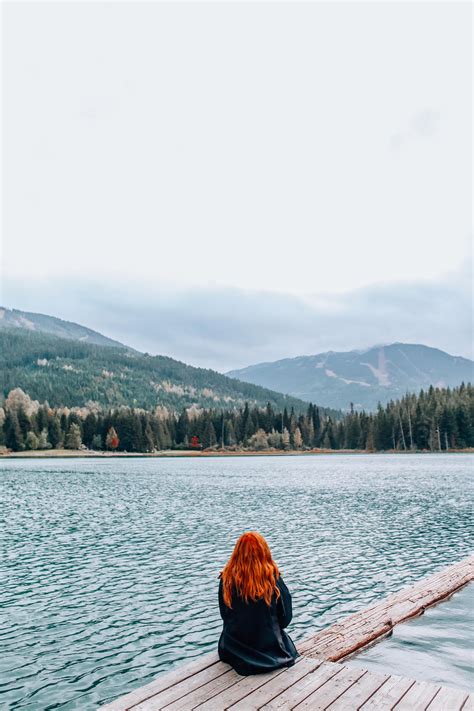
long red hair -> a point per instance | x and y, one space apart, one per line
250 571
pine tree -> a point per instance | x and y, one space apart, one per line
148 438
23 422
229 434
13 435
246 426
96 443
89 428
209 435
182 428
42 418
464 427
55 433
370 440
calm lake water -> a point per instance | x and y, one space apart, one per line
109 567
435 647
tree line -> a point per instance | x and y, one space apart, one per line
433 420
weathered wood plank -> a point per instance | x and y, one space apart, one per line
447 698
183 687
208 691
303 688
418 697
268 691
363 627
360 692
160 683
388 695
331 691
237 691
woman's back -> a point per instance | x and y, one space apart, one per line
253 639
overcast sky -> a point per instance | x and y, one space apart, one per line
230 183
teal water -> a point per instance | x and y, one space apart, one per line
109 567
436 647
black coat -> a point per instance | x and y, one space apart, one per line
253 639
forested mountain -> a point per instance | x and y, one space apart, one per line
436 420
364 378
40 323
72 373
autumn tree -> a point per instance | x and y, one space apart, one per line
112 440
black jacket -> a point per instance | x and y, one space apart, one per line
253 639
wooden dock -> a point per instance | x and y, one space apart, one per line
318 680
365 627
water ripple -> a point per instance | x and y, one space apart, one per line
109 568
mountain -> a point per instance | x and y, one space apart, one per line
79 369
364 378
12 318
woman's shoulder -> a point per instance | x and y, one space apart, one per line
281 584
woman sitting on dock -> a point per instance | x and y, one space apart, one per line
255 605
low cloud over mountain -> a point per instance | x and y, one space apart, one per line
227 328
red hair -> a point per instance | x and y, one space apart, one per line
250 571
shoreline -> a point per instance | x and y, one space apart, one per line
173 453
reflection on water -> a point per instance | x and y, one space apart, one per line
435 647
111 566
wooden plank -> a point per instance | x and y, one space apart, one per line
389 694
208 691
360 629
418 697
268 691
447 698
160 683
360 692
331 690
442 584
183 687
303 688
237 691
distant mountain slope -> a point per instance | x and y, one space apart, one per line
13 318
72 373
362 377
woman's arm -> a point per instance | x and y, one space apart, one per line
222 605
284 606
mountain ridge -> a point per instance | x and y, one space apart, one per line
362 377
71 371
43 323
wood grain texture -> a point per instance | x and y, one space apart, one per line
160 683
448 698
418 697
360 692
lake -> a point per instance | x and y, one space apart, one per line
110 567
